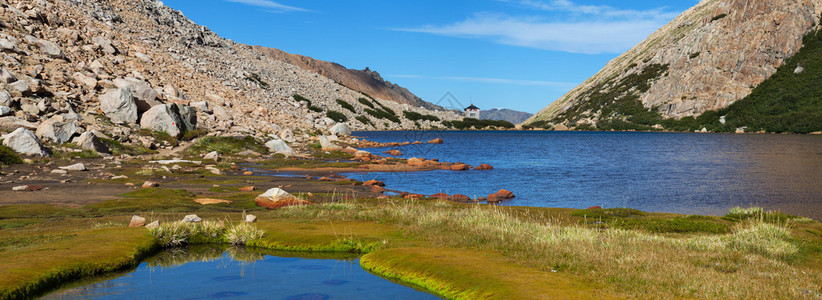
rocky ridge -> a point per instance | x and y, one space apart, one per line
710 56
122 68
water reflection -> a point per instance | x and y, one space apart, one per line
210 272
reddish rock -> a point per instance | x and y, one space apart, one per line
416 162
414 196
349 150
432 163
325 179
373 182
460 167
308 177
441 196
248 189
404 194
445 167
336 176
501 195
393 152
248 173
377 189
595 207
484 167
137 221
416 143
382 197
277 198
436 141
32 187
460 198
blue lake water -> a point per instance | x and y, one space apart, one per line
686 173
242 274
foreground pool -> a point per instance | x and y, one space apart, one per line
211 273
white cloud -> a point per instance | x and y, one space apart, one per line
270 6
588 29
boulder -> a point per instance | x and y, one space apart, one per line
277 198
250 219
222 114
287 135
416 162
213 155
501 195
12 123
442 196
7 76
5 99
248 189
56 131
89 141
119 106
201 106
460 198
75 167
393 152
163 118
594 207
145 97
377 189
24 141
153 225
149 184
436 141
188 115
137 221
373 182
279 147
484 167
192 219
50 49
89 82
460 167
5 111
341 129
327 145
22 87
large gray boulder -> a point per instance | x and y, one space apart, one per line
341 129
222 114
189 116
288 135
144 96
5 111
5 98
119 106
89 141
201 106
163 118
7 76
24 141
56 131
50 49
280 147
12 123
327 145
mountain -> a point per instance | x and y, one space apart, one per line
365 81
512 116
126 68
703 61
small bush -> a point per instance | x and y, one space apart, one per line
336 116
414 116
346 105
8 156
254 77
719 17
366 102
364 120
242 233
380 114
226 145
193 134
300 98
315 109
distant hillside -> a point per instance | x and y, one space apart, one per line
364 81
512 116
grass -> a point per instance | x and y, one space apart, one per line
118 148
8 156
69 155
159 136
226 145
176 234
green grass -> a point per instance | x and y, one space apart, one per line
68 155
193 134
159 136
254 77
226 145
118 148
8 156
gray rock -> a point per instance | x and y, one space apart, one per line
327 145
21 86
75 167
341 129
119 106
288 136
250 219
89 141
5 98
280 147
201 106
56 131
24 141
145 97
6 45
31 109
189 116
213 155
153 225
222 114
50 49
20 188
12 123
163 118
5 111
192 219
7 76
104 45
89 82
59 172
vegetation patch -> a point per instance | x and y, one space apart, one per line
468 123
226 145
346 105
336 116
8 156
255 78
365 102
364 120
415 116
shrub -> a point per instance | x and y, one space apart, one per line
346 105
315 109
193 134
226 145
364 120
719 17
467 123
300 98
336 116
414 116
381 114
254 77
8 156
365 102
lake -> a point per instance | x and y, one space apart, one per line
686 173
208 272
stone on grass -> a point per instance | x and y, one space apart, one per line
165 118
280 147
250 219
209 201
137 221
153 225
247 189
149 184
277 198
89 141
192 219
20 188
119 106
24 141
214 170
59 172
75 167
213 155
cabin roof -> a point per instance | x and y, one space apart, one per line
472 107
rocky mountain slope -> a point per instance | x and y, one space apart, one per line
366 81
709 57
125 69
503 114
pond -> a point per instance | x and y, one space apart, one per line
218 272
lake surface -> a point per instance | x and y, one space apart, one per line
209 273
685 173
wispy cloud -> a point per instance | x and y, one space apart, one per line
492 80
588 29
270 6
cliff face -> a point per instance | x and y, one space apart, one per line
705 59
365 81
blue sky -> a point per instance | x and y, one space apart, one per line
517 54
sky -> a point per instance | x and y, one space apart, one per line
516 54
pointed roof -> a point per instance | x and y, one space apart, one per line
472 107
